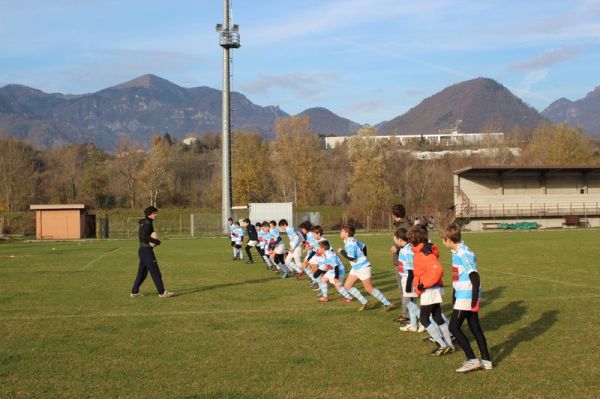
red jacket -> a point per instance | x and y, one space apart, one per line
427 268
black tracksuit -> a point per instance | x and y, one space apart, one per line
252 236
148 261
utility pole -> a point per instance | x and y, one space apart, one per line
229 38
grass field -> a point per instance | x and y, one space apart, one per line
69 329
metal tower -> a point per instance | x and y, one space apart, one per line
229 38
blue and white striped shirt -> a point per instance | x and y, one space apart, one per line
353 251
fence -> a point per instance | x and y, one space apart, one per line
504 210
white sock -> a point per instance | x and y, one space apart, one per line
356 294
379 296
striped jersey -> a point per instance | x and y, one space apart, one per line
329 261
294 237
463 264
405 260
274 236
261 238
231 232
238 235
311 240
353 250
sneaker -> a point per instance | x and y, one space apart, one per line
166 294
299 276
284 275
347 300
439 351
428 339
136 295
421 328
366 306
409 328
401 319
387 308
449 349
323 299
317 288
469 365
249 262
486 364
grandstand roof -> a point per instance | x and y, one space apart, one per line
510 169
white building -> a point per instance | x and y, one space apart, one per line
450 138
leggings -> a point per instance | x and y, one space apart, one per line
435 310
457 319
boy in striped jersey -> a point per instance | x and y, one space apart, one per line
405 270
330 270
238 237
292 260
466 298
310 245
277 248
361 269
231 229
266 238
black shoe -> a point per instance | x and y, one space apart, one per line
249 262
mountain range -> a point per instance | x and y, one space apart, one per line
150 105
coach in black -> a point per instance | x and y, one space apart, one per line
252 239
148 261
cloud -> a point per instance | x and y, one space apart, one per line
301 85
362 106
547 58
410 92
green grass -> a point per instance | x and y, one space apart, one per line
69 328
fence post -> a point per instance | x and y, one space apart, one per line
192 224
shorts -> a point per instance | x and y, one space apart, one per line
364 273
280 249
232 243
432 296
252 243
462 304
331 276
315 260
404 293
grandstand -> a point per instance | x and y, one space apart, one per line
485 197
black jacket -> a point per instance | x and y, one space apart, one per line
251 230
146 229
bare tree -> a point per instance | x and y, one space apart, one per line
16 174
129 161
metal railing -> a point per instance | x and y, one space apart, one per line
501 210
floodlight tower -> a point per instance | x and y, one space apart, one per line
229 38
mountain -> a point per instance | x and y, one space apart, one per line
470 106
138 108
326 123
584 112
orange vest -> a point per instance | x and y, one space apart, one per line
427 268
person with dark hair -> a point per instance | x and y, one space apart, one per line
277 247
252 239
292 260
238 239
400 221
231 228
330 270
148 240
310 245
466 298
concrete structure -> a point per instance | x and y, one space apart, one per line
450 138
63 222
552 197
260 212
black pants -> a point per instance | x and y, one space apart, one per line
457 319
433 310
148 263
248 247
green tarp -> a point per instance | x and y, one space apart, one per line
519 226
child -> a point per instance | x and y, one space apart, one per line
277 248
292 260
361 269
428 286
330 269
466 298
252 239
313 260
266 236
405 270
231 227
238 234
310 244
399 219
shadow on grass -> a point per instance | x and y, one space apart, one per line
187 291
228 395
507 315
523 334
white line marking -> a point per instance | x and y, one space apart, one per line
541 279
102 255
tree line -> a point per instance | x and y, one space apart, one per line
364 174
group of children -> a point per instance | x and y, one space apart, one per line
417 265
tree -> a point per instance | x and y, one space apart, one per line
295 156
129 161
558 145
16 174
157 169
249 171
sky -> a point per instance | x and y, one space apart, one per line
366 60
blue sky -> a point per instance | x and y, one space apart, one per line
367 60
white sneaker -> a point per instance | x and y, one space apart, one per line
487 364
136 295
408 328
469 365
166 294
421 328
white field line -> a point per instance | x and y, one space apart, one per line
548 280
102 255
243 311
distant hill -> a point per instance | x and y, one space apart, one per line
326 123
584 112
471 106
139 108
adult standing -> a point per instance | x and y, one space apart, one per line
399 218
252 239
148 261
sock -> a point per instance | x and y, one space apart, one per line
234 251
240 253
356 294
414 313
267 260
344 293
435 333
323 286
446 333
379 296
309 273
